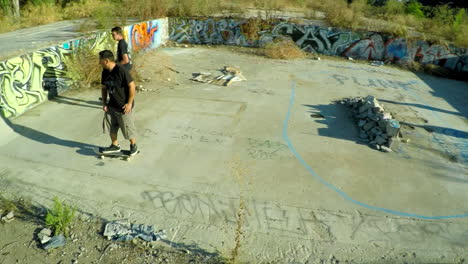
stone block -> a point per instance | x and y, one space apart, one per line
369 125
393 127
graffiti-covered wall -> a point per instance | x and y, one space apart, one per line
329 41
32 78
147 35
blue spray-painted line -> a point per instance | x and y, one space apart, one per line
332 187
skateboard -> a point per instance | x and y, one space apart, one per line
123 154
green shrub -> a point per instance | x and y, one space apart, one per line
415 8
60 217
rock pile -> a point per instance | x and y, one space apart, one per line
376 126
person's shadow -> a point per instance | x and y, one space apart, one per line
83 148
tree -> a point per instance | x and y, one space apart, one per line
16 8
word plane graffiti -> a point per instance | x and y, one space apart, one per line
377 83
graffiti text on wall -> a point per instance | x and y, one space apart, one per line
330 41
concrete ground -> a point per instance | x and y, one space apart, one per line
33 38
245 170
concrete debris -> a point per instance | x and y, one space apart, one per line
385 149
44 235
375 124
9 217
377 63
230 75
123 230
55 242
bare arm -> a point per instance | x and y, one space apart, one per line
131 95
125 59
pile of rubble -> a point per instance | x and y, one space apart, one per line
230 75
376 126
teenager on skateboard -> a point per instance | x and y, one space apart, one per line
117 82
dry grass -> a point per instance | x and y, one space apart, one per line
81 9
395 17
84 69
283 48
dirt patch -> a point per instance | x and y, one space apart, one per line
19 243
155 68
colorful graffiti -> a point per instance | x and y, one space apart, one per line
329 41
144 36
220 32
30 79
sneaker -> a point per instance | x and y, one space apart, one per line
111 149
133 150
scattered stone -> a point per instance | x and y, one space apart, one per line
380 140
55 242
9 217
369 125
376 131
385 149
393 127
44 235
351 59
375 125
75 261
124 231
363 135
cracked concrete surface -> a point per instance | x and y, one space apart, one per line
191 133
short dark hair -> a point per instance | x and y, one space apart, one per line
106 54
117 30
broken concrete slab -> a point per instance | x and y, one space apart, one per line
123 230
55 242
393 127
230 75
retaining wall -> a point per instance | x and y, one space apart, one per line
323 40
32 78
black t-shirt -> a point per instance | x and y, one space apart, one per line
122 48
117 83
